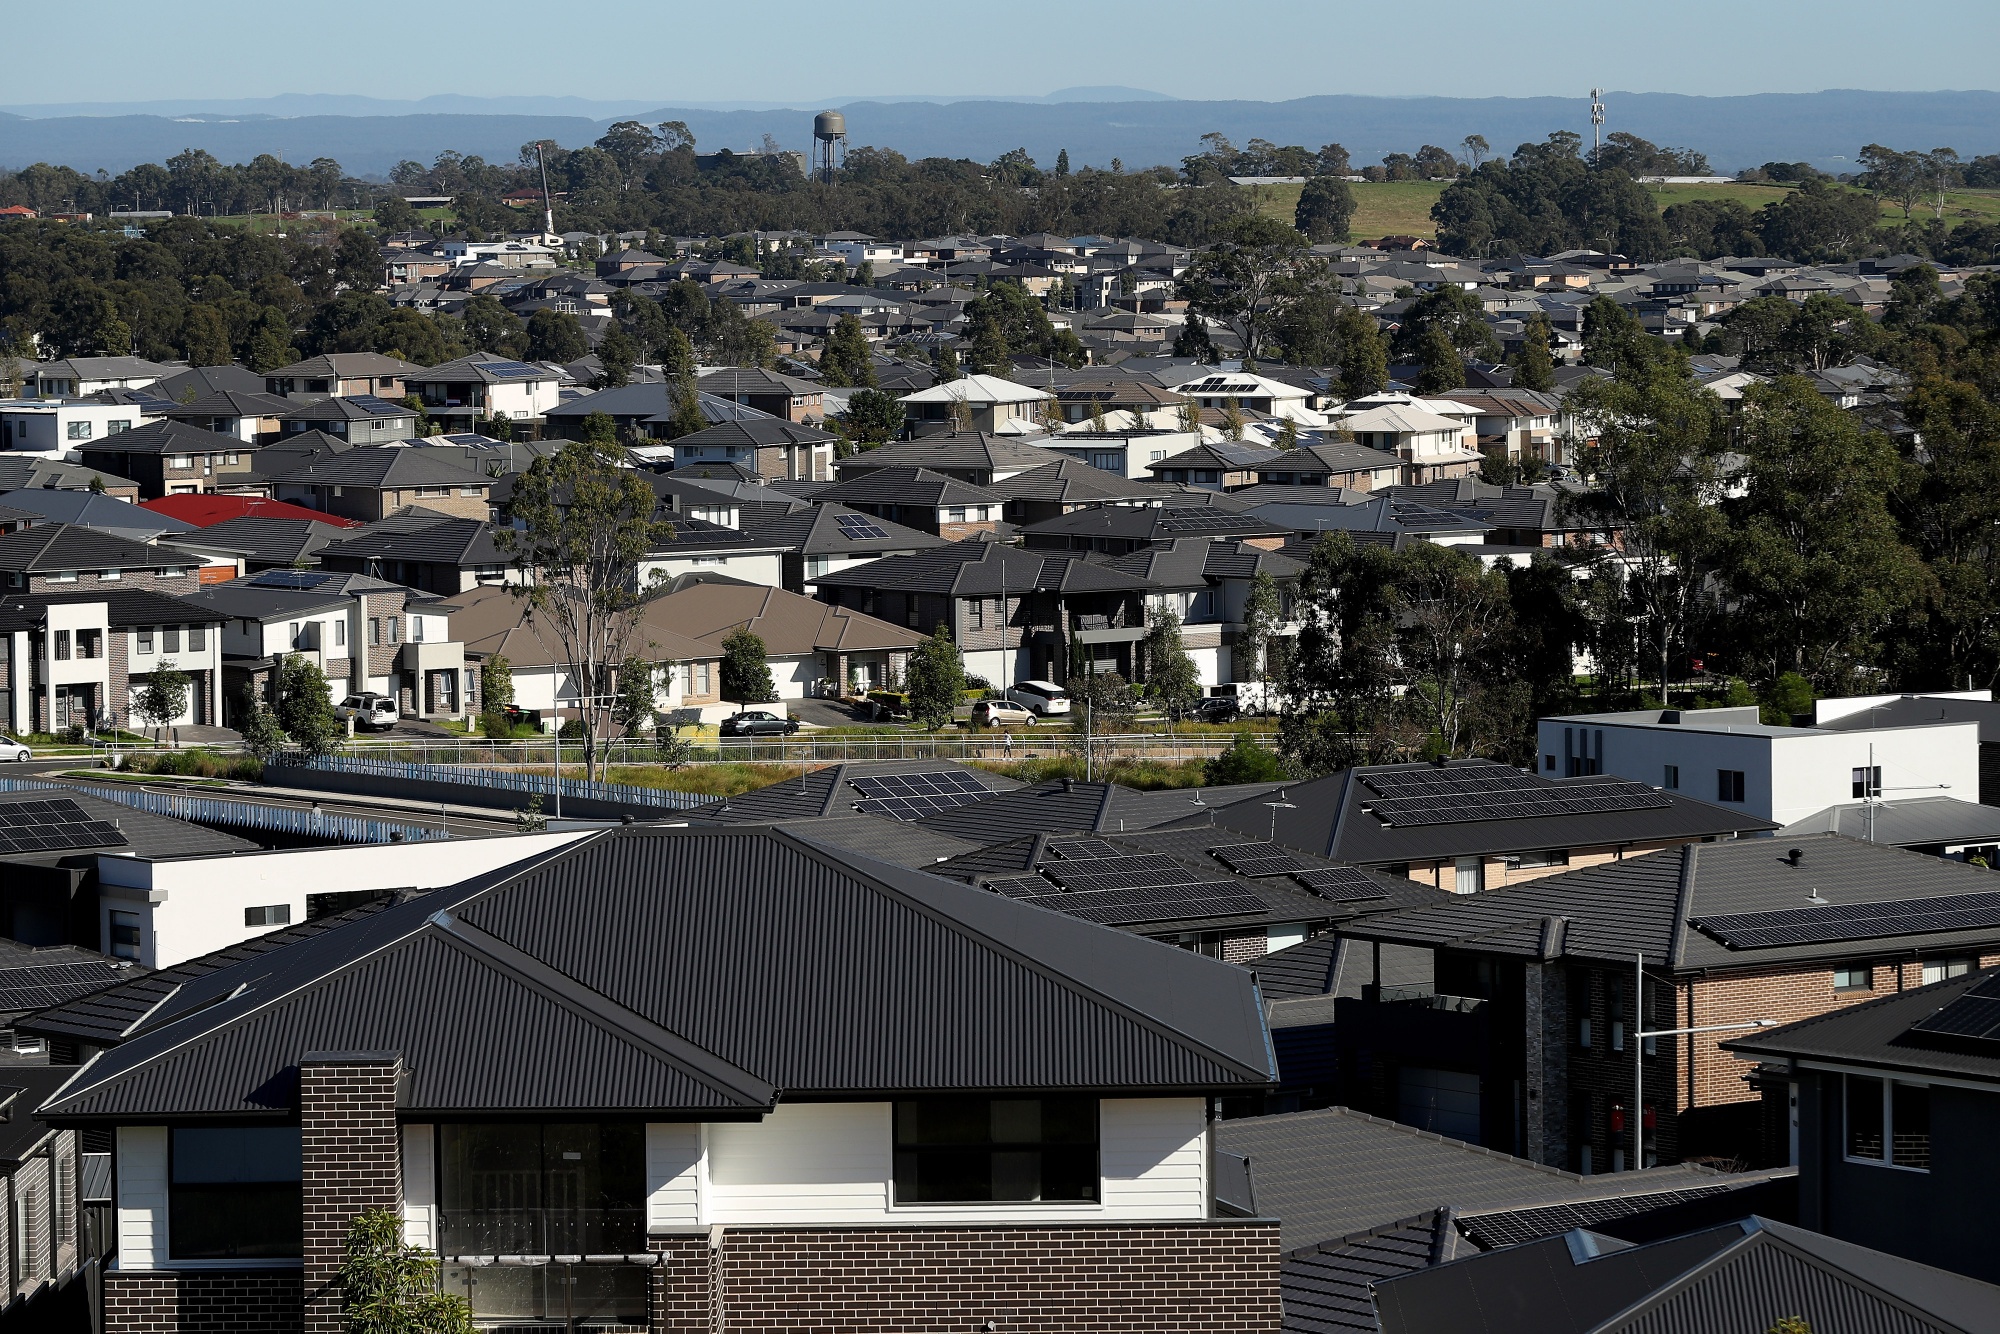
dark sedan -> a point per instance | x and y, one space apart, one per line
756 722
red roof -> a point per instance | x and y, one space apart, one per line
205 510
17 211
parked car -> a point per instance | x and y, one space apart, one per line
756 722
369 710
1002 713
10 749
1215 709
1043 697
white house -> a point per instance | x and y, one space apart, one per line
54 427
1127 453
1729 758
1431 446
990 404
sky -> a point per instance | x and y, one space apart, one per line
671 51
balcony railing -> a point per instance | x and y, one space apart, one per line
605 1294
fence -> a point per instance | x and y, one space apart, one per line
811 749
525 781
242 814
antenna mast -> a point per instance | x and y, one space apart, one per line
1597 121
548 208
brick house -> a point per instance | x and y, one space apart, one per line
978 457
342 374
438 553
1032 1147
784 396
775 449
171 458
370 482
1521 1040
1118 530
919 498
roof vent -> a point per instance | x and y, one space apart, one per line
1068 783
1795 856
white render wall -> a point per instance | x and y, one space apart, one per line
191 906
1788 773
142 1197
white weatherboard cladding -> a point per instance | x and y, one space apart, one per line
832 1163
142 1197
673 1175
420 1186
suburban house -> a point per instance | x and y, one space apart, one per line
436 553
482 385
1537 1052
1128 453
1429 445
360 419
1730 757
1012 612
363 634
978 457
1144 405
249 417
818 539
1868 712
783 396
343 374
369 484
1219 465
172 458
54 428
1220 390
1886 1108
19 472
919 498
41 1185
977 403
726 1162
774 448
1515 424
79 377
813 648
1205 583
697 546
1062 487
84 654
1117 530
1337 463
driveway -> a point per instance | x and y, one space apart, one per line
827 713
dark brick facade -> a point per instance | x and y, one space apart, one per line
1052 1279
241 1302
352 1157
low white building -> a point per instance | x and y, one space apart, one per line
52 428
1730 758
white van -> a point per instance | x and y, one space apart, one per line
1044 697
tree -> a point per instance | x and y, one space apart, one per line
935 680
1263 608
553 336
1326 209
944 363
1244 762
1533 367
1452 616
873 417
1062 162
270 342
677 355
688 416
599 428
846 359
638 695
388 1286
1340 683
491 327
746 674
304 707
1249 279
258 727
1364 353
1193 340
579 525
165 696
1171 673
1476 148
496 692
205 337
1444 368
618 353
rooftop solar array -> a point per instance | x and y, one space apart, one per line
1462 793
1833 922
1076 849
860 528
1163 903
1256 859
301 580
54 825
49 984
1974 1016
1148 869
510 369
917 796
1018 886
1190 519
1340 884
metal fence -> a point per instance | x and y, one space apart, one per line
242 814
508 780
809 749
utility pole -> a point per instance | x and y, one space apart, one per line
1640 1033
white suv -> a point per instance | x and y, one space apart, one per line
1043 697
369 710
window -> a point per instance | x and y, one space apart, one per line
107 576
292 636
1729 785
957 514
124 935
1867 782
231 459
471 491
27 1255
1854 977
1539 860
170 639
1673 777
1468 875
540 1189
172 571
1579 1005
694 679
272 914
395 624
79 430
432 492
62 576
975 611
996 1150
1938 970
1614 1005
234 1193
144 635
340 633
116 425
62 644
374 630
1888 1123
416 629
180 461
1549 763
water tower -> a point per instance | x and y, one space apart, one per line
829 128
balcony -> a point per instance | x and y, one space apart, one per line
605 1294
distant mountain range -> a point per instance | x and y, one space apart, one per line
1096 125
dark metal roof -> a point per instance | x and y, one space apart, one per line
828 792
66 546
815 530
22 1089
1923 711
1058 805
1649 904
144 834
1905 823
1150 523
979 568
907 486
1199 562
661 970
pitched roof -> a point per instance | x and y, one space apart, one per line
279 592
830 794
754 380
204 509
53 547
1153 523
1198 562
54 474
137 833
100 512
479 368
384 468
978 389
818 530
272 541
709 609
1070 481
907 486
437 539
1885 1033
956 451
225 403
755 432
167 437
492 619
979 568
344 365
660 967
353 407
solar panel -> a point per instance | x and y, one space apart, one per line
1974 1016
1117 907
1256 859
1828 923
56 825
297 579
509 369
1340 884
860 527
1146 869
916 796
1497 800
1076 849
1018 886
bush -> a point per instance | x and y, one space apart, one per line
201 764
1244 762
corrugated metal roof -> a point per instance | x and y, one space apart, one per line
658 969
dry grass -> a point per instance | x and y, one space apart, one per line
1381 208
709 780
1145 775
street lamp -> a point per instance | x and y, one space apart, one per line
1639 1035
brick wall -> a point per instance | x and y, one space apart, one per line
351 1153
199 1302
1217 1277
